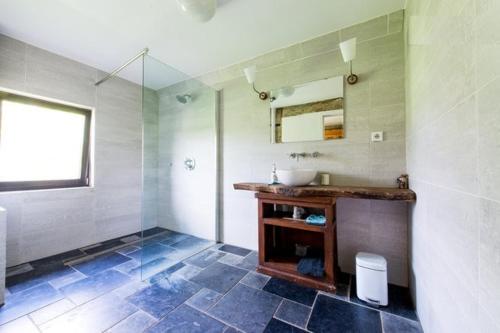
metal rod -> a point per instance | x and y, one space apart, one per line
116 71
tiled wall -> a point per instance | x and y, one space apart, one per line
3 259
150 199
376 103
453 157
42 223
187 198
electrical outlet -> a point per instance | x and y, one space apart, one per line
377 136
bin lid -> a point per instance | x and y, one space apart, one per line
371 261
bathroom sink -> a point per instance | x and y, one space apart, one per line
296 177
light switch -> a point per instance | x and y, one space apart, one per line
377 136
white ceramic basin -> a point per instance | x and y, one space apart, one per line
296 177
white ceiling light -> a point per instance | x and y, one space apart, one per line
200 10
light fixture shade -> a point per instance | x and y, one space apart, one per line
200 10
348 49
250 73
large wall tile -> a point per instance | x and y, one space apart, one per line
12 63
452 144
43 223
488 140
376 102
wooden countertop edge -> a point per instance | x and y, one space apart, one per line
376 193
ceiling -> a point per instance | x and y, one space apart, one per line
106 33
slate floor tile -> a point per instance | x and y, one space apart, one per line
166 273
400 302
250 262
164 296
93 317
135 323
29 300
187 272
94 286
51 311
151 232
58 258
396 324
37 276
204 299
185 319
127 266
19 269
128 249
341 316
67 279
151 252
104 246
219 277
20 325
291 291
255 280
293 313
131 288
234 250
246 308
205 258
192 243
151 268
277 326
231 259
101 263
174 237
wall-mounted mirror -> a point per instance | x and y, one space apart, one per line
313 111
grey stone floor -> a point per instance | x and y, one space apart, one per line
190 285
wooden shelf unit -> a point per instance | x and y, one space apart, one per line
278 235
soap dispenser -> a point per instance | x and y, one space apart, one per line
274 176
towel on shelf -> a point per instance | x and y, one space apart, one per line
316 220
311 266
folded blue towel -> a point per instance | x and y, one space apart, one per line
316 220
311 266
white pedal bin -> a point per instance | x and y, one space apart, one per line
371 278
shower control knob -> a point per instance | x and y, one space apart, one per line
189 164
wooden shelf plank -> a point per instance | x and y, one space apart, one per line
295 224
380 193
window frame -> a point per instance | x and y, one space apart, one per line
87 112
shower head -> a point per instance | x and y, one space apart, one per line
184 99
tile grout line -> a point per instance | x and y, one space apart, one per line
312 308
477 196
31 319
285 321
205 312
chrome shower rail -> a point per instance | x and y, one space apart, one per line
116 71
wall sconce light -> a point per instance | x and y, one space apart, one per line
250 73
348 50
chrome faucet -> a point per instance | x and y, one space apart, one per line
297 156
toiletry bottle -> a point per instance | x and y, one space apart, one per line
274 176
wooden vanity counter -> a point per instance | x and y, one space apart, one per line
377 193
278 232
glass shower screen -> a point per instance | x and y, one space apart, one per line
179 169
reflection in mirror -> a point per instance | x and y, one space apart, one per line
310 112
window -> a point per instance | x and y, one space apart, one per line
42 144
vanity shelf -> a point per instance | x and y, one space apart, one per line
293 223
279 234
